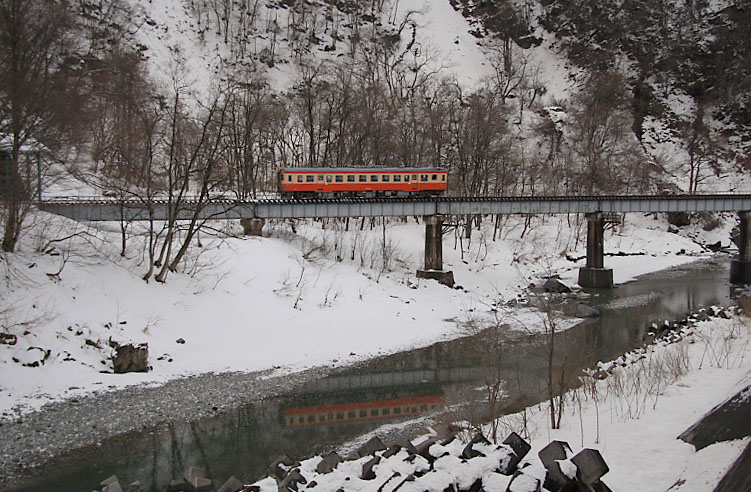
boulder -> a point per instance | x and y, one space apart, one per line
131 358
555 286
584 311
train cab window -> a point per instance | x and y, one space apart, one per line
423 177
329 178
397 410
386 178
339 178
362 178
374 412
350 178
309 178
363 413
351 415
443 177
299 179
397 178
373 178
435 177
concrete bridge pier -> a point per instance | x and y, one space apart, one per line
595 275
740 268
252 227
434 252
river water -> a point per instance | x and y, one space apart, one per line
400 388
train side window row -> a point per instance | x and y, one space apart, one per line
363 178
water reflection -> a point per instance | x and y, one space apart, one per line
324 413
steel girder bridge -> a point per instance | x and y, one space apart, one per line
253 213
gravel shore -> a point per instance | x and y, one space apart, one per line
58 427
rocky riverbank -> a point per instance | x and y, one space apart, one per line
58 427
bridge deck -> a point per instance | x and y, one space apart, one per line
106 210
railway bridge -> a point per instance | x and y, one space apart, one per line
253 213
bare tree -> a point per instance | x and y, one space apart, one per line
38 59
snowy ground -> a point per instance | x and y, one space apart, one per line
633 417
286 301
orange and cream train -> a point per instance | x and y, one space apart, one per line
364 182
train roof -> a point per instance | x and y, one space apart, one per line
363 169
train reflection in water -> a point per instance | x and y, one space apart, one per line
336 413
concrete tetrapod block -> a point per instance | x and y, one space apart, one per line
590 465
328 463
280 466
469 451
370 447
200 484
231 485
291 480
423 449
367 468
113 487
520 448
551 456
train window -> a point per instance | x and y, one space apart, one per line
363 413
350 178
299 179
320 177
386 411
309 178
435 177
339 178
397 410
386 178
423 408
423 177
289 178
331 416
443 177
322 418
291 420
351 415
339 415
301 419
328 178
311 418
397 178
374 412
414 409
373 178
406 178
362 178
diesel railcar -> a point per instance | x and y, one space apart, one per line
364 182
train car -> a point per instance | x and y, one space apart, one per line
366 182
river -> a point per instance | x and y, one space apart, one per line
401 388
